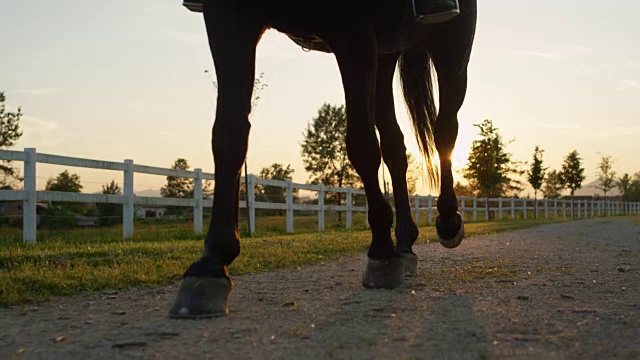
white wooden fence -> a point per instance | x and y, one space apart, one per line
469 207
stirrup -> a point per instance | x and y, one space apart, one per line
193 5
428 17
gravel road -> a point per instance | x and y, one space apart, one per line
560 291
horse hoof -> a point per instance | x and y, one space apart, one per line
202 297
410 263
450 242
387 273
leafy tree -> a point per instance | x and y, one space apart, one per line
489 166
634 189
178 187
606 176
182 188
9 134
572 173
535 176
624 184
110 214
274 193
414 172
630 187
552 188
463 190
64 182
324 150
67 182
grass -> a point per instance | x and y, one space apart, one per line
90 260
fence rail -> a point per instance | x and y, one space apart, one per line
468 207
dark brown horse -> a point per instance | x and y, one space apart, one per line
368 39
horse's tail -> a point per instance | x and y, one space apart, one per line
417 87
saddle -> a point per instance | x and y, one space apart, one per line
307 43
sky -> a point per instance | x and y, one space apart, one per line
115 80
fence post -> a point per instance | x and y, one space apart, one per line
416 208
197 196
564 209
349 206
524 209
366 213
500 208
475 209
579 209
289 206
251 202
486 209
546 208
513 209
429 210
29 214
320 207
586 208
462 207
127 209
593 208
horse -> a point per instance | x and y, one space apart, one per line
368 40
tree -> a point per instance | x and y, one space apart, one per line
67 182
572 173
110 214
553 187
9 134
324 150
64 182
606 176
535 176
624 184
178 187
634 188
414 172
489 166
274 193
182 188
463 190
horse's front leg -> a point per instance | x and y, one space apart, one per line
357 59
206 285
394 154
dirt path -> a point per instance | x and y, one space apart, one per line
567 290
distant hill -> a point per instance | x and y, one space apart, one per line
590 189
149 193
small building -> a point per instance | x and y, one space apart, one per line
13 210
150 211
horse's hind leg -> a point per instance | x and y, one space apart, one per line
394 154
206 284
451 65
357 60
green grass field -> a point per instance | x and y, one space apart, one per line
90 260
69 262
